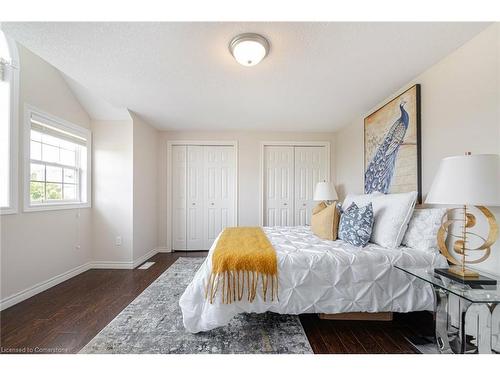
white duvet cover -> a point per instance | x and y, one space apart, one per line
320 276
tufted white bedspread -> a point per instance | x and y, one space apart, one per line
320 276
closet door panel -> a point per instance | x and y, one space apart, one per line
219 190
179 197
278 185
195 197
310 168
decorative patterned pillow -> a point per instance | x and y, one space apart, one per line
356 224
423 227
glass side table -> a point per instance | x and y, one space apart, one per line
467 319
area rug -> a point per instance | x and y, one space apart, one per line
152 323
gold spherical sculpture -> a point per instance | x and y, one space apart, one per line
460 245
465 181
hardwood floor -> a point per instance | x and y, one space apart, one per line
64 318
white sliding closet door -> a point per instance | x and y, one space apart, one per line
203 194
278 183
310 168
179 155
219 191
290 177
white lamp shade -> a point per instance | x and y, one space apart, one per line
325 192
467 180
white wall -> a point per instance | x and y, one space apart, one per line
125 191
460 112
48 238
112 213
249 144
145 188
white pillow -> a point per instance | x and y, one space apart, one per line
423 227
360 200
392 214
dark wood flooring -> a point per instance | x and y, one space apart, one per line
64 318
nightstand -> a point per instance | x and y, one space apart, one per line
467 317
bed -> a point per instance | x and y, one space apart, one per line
320 276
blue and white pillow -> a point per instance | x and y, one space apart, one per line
356 224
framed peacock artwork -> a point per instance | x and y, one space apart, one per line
392 146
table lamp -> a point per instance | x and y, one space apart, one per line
325 192
469 180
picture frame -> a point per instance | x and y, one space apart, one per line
392 145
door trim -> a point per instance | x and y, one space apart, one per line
169 177
263 144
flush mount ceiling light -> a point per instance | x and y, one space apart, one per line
249 49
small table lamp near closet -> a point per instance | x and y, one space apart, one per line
468 180
325 192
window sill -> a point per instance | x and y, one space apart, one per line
8 211
55 206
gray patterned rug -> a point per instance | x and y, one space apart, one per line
152 323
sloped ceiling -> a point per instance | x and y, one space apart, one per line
317 77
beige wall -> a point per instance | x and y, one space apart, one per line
249 159
145 193
113 191
48 238
460 112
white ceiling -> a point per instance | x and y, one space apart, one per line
317 77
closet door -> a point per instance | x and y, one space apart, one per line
195 198
310 168
278 185
178 220
219 181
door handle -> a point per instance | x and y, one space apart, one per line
285 204
304 204
193 204
212 204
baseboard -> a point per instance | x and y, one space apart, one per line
44 285
144 258
164 250
122 265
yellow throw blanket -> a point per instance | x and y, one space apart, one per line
243 257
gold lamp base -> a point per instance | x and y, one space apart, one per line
460 246
463 272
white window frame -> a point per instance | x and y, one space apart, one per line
64 126
12 208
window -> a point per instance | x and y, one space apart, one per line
9 78
58 163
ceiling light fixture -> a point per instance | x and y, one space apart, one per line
249 49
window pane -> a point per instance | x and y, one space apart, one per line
37 191
36 136
54 191
69 176
69 192
37 172
36 150
50 153
50 140
68 157
4 141
54 174
68 145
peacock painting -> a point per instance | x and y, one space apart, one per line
391 145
